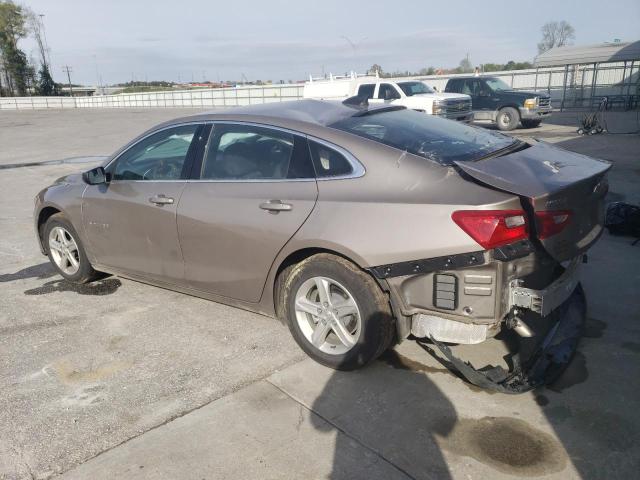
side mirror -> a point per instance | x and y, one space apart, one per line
95 176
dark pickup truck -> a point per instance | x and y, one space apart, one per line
495 101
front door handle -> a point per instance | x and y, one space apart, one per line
275 206
161 200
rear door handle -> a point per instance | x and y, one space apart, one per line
161 200
275 206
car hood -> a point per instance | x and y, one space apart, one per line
71 179
523 94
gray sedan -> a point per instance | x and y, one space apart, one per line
356 225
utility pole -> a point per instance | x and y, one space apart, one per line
44 35
68 69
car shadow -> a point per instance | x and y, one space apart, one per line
40 271
99 287
394 415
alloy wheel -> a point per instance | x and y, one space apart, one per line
64 250
328 315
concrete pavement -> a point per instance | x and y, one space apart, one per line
123 380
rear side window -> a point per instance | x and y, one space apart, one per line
328 162
248 152
366 91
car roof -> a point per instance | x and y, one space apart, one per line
316 112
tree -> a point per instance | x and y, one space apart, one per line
376 68
46 86
556 34
14 61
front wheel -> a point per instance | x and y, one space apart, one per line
66 252
336 312
507 119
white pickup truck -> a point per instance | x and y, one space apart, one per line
412 94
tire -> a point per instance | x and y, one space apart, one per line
531 123
507 119
370 325
60 230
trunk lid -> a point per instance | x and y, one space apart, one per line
552 179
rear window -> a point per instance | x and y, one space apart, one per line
443 141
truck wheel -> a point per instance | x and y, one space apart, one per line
531 123
336 312
507 119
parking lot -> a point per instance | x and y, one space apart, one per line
118 379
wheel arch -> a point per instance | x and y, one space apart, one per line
44 214
300 254
509 105
297 255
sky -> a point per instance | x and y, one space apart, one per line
114 41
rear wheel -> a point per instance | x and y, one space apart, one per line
336 312
507 119
66 252
531 123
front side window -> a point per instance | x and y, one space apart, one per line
496 84
453 86
428 136
366 90
414 88
388 92
328 162
160 156
247 152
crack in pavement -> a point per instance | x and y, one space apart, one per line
342 431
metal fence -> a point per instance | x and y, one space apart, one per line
573 86
196 98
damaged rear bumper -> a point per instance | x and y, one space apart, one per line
548 299
543 364
536 306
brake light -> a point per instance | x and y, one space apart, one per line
493 228
551 222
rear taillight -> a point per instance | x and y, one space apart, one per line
551 222
493 228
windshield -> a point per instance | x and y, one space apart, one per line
497 85
443 141
413 88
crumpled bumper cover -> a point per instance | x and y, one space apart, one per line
543 365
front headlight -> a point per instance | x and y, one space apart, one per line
530 103
438 108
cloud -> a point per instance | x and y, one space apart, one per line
160 58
